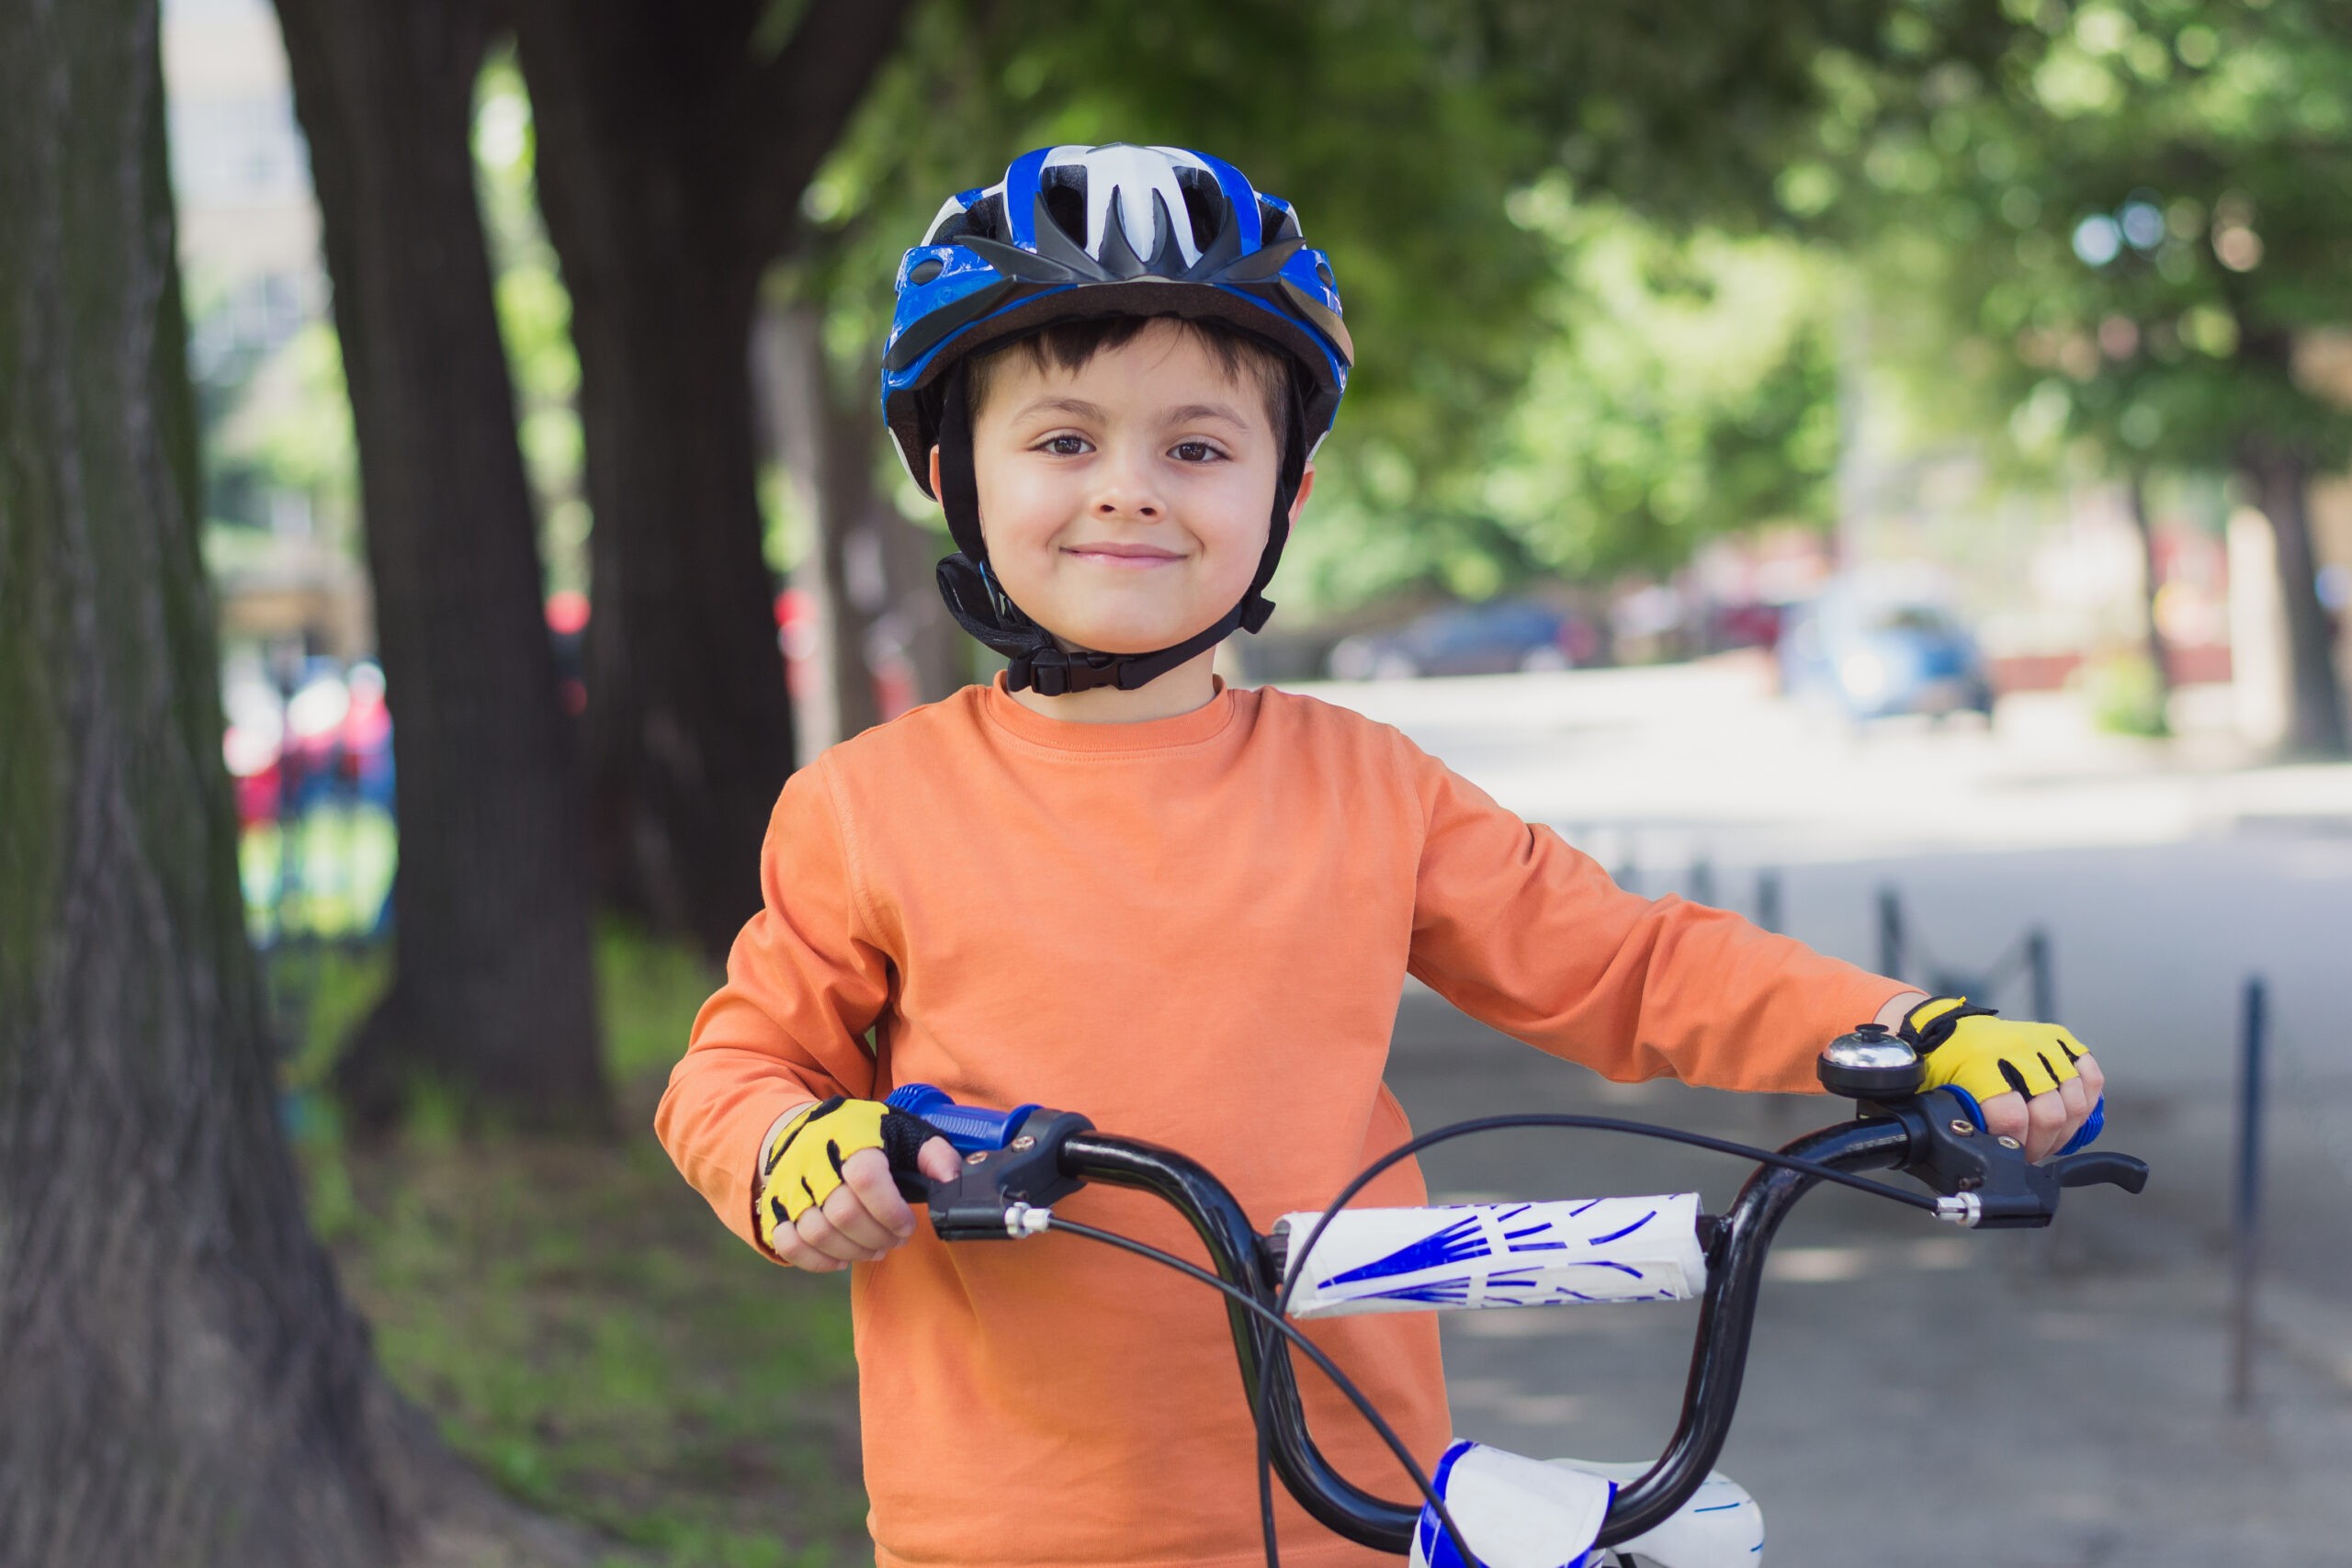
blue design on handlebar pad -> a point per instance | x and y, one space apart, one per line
2085 1135
969 1128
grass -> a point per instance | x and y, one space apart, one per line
579 1322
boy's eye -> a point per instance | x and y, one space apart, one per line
1063 445
1195 452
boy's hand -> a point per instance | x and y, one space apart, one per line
826 1196
2034 1082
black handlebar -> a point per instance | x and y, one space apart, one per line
1985 1181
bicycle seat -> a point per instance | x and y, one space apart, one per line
1720 1527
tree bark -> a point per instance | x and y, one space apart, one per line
493 991
2279 474
2135 501
181 1380
671 162
833 473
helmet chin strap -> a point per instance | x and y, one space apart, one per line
1039 662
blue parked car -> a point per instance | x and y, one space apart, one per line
1877 658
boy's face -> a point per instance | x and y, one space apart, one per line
1126 504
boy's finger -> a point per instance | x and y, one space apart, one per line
2094 1079
800 1255
2004 1116
822 1234
938 1159
867 1206
2046 1125
2077 1101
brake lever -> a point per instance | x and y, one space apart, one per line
995 1193
2103 1169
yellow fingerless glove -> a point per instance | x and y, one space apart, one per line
801 1166
1975 1049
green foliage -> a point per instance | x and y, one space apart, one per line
2117 228
2125 697
648 991
534 319
1406 131
291 427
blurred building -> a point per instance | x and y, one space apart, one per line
251 270
248 228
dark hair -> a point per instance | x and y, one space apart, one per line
1069 345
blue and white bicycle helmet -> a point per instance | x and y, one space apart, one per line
1072 232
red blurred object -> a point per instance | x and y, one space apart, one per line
256 796
567 613
795 622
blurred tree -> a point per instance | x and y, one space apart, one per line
1430 124
493 990
1686 388
2129 229
181 1380
673 144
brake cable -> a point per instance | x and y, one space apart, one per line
1314 1352
1295 1264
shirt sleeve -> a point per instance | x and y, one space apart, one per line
804 981
1529 936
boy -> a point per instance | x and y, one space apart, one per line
1109 883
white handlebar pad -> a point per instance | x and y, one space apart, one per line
1497 1255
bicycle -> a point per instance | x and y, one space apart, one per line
1518 1512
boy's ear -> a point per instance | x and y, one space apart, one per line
1297 502
934 471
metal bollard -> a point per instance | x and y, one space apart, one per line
2245 1217
2041 976
1890 932
1767 901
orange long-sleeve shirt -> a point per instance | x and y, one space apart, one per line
1195 930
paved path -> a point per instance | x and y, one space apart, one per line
1906 1375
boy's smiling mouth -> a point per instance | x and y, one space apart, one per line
1124 555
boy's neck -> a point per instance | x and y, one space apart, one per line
1190 685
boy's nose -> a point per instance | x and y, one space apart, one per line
1142 507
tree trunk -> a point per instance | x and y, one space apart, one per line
493 993
876 586
689 725
833 475
181 1380
2135 499
671 160
2279 474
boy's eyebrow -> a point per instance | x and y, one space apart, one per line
1081 408
1191 411
1078 406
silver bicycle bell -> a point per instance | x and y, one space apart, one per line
1870 1063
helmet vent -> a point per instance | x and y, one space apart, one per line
1204 205
1063 194
984 218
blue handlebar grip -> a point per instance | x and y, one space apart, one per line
969 1128
2085 1135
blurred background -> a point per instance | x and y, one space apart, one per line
1884 467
